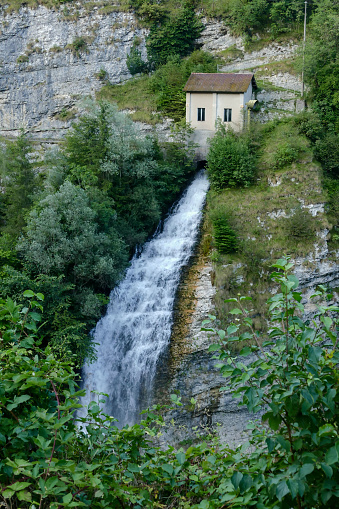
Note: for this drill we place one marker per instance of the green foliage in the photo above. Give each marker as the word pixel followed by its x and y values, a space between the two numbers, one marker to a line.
pixel 285 155
pixel 292 377
pixel 102 75
pixel 20 183
pixel 63 237
pixel 64 327
pixel 300 225
pixel 105 192
pixel 284 145
pixel 135 63
pixel 327 152
pixel 168 81
pixel 321 63
pixel 78 46
pixel 224 236
pixel 105 151
pixel 175 36
pixel 292 460
pixel 325 141
pixel 229 160
pixel 22 59
pixel 332 206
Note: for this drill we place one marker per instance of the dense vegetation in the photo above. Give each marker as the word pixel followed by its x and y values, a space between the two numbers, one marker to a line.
pixel 70 223
pixel 46 462
pixel 230 162
pixel 68 231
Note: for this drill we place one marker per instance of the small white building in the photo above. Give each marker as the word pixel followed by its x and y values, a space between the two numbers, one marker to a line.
pixel 210 96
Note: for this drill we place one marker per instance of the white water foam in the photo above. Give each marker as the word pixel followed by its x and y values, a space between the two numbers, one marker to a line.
pixel 137 327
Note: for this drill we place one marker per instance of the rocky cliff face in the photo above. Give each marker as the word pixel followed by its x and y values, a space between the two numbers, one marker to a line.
pixel 52 58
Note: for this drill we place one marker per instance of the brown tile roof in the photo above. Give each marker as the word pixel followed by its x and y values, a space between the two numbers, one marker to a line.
pixel 219 82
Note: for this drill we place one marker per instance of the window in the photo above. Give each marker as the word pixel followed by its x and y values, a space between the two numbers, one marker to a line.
pixel 227 115
pixel 201 114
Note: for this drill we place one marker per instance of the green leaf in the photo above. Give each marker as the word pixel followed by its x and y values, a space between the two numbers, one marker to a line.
pixel 282 490
pixel 211 459
pixel 274 421
pixel 204 504
pixel 314 354
pixel 245 351
pixel 331 456
pixel 327 469
pixel 294 280
pixel 232 329
pixel 285 444
pixel 270 444
pixel 17 400
pixel 213 348
pixel 67 498
pixel 7 493
pixel 305 470
pixel 24 495
pixel 28 293
pixel 221 334
pixel 326 495
pixel 236 311
pixel 236 479
pixel 168 468
pixel 245 483
pixel 293 487
pixel 326 429
pixel 132 467
pixel 181 457
pixel 18 486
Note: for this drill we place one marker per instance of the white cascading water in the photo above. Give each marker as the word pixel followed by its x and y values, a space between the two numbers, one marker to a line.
pixel 137 327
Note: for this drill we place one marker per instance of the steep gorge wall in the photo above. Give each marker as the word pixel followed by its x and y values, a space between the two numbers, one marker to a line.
pixel 41 72
pixel 43 75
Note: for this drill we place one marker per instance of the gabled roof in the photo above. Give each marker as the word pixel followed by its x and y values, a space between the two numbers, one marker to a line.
pixel 219 82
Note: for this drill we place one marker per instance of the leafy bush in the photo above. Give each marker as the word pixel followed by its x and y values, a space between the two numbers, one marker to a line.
pixel 284 143
pixel 22 59
pixel 174 36
pixel 78 46
pixel 327 152
pixel 230 162
pixel 20 182
pixel 102 75
pixel 285 155
pixel 135 63
pixel 292 379
pixel 300 225
pixel 63 236
pixel 225 238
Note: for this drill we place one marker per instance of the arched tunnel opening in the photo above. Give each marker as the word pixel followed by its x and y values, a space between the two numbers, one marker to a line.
pixel 201 165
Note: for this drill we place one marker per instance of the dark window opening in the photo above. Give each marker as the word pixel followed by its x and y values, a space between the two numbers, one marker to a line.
pixel 227 115
pixel 201 114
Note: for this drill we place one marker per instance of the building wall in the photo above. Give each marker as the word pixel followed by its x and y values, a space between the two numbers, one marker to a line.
pixel 236 103
pixel 214 104
pixel 200 100
pixel 248 94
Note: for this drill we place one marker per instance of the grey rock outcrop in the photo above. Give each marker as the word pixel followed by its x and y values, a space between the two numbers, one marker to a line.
pixel 49 61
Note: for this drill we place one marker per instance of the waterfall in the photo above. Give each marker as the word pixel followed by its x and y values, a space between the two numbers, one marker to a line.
pixel 137 326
